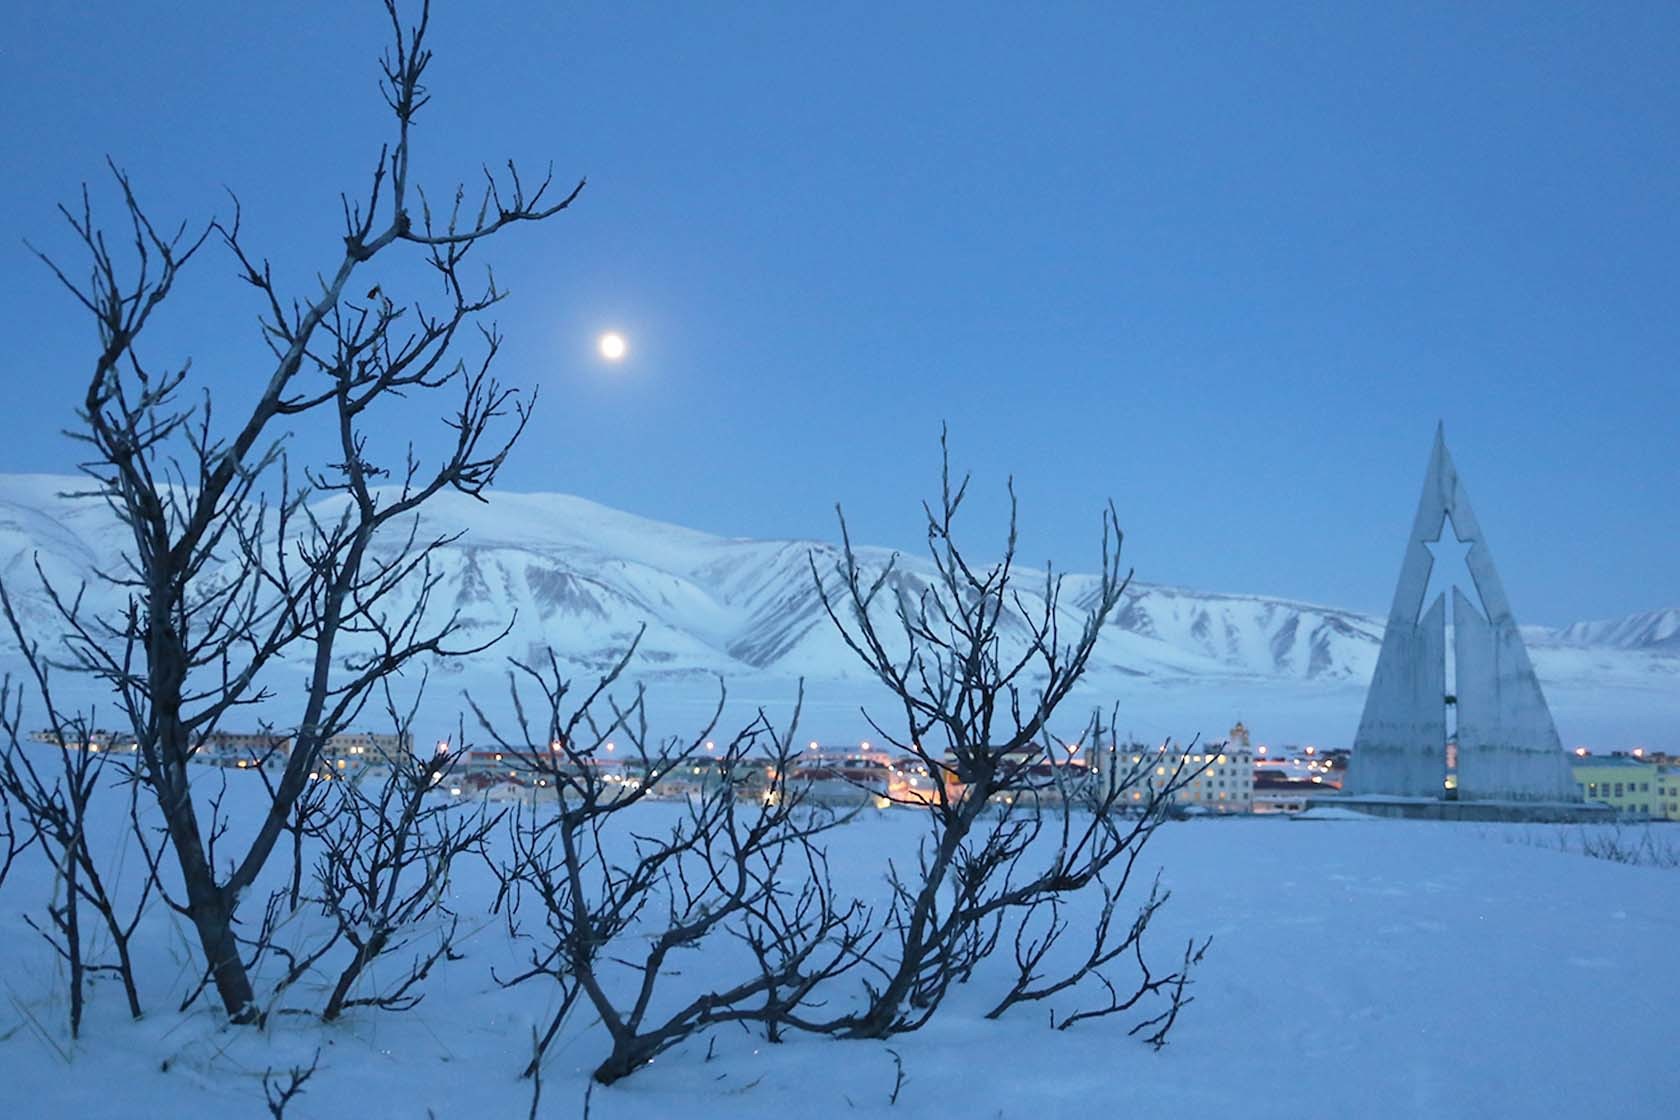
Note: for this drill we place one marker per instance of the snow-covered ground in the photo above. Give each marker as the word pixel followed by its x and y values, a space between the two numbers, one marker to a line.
pixel 1358 968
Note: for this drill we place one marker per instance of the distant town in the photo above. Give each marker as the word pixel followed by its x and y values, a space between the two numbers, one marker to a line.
pixel 1237 775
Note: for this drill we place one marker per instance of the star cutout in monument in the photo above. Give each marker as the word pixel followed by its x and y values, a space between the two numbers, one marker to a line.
pixel 1448 568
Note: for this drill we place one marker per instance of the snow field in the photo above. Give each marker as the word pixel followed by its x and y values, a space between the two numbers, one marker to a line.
pixel 1359 968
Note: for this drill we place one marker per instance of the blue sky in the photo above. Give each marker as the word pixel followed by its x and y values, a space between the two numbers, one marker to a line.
pixel 1226 264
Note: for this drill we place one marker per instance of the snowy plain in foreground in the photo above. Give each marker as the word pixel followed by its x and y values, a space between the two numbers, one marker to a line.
pixel 1358 968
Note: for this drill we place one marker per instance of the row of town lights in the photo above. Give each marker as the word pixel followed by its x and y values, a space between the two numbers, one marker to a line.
pixel 1072 748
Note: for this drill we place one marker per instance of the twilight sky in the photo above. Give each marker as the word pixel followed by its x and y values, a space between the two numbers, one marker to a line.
pixel 1225 263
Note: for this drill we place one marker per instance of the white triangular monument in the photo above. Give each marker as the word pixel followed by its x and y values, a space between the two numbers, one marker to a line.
pixel 1508 746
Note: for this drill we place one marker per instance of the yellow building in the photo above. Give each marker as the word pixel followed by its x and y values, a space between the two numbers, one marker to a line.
pixel 1629 785
pixel 1668 791
pixel 1224 781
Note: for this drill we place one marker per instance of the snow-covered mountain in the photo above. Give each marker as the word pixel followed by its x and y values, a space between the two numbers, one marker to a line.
pixel 1650 630
pixel 583 579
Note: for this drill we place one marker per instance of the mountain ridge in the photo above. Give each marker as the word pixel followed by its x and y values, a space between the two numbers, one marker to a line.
pixel 582 577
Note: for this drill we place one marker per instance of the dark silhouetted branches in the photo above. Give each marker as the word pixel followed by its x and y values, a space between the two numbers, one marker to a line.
pixel 236 561
pixel 977 667
pixel 740 864
pixel 384 870
pixel 48 806
pixel 279 1097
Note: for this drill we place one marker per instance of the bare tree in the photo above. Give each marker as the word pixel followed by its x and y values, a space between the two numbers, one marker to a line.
pixel 741 863
pixel 977 670
pixel 230 568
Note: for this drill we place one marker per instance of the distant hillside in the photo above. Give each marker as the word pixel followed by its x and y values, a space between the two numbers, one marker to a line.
pixel 1651 630
pixel 583 578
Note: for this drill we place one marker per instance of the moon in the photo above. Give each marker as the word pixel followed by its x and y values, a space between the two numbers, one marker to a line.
pixel 612 346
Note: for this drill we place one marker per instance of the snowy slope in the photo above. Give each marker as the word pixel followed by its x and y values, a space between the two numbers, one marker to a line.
pixel 1651 630
pixel 583 579
pixel 1250 634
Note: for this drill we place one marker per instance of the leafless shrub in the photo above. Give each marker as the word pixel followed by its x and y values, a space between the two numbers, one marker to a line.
pixel 384 870
pixel 977 670
pixel 1638 846
pixel 90 898
pixel 386 842
pixel 230 568
pixel 1644 848
pixel 741 864
pixel 278 1096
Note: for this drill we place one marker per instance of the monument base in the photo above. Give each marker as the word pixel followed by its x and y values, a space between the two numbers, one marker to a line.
pixel 1438 809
